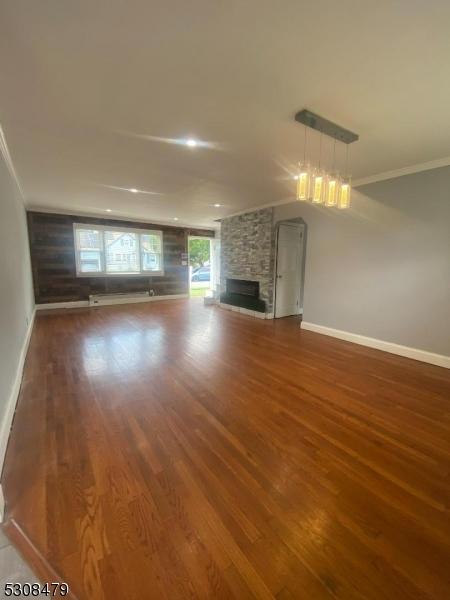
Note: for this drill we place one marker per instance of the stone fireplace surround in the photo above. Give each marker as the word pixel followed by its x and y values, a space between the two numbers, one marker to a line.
pixel 247 243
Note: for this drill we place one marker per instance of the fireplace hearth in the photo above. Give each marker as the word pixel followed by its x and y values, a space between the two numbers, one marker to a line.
pixel 243 293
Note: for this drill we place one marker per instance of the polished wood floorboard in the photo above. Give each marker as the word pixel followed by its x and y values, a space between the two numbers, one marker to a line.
pixel 42 569
pixel 172 451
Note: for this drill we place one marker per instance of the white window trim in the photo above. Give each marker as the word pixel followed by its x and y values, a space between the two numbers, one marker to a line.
pixel 102 229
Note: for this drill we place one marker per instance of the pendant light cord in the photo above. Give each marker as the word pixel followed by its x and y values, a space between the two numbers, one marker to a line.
pixel 320 149
pixel 304 147
pixel 334 155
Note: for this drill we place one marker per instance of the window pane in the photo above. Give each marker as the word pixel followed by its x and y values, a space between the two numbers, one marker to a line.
pixel 90 261
pixel 88 238
pixel 151 252
pixel 151 262
pixel 121 250
pixel 151 242
pixel 89 250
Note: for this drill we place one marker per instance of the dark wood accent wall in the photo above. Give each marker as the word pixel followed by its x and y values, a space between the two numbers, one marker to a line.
pixel 53 260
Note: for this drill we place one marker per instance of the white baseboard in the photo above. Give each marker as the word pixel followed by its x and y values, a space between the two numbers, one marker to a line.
pixel 111 301
pixel 429 357
pixel 11 402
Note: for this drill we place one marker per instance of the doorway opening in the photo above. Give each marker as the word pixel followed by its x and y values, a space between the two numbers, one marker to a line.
pixel 289 269
pixel 201 266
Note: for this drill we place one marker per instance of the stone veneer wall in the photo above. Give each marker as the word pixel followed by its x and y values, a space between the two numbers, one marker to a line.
pixel 247 251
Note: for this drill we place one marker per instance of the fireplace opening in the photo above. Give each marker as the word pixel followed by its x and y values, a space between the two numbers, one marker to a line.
pixel 243 293
pixel 242 286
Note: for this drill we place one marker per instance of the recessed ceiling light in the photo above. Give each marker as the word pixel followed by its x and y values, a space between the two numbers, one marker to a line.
pixel 134 190
pixel 217 205
pixel 108 210
pixel 175 218
pixel 295 177
pixel 191 143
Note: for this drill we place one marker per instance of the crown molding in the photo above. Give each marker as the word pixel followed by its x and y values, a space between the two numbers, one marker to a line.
pixel 250 209
pixel 4 150
pixel 418 168
pixel 116 216
pixel 426 166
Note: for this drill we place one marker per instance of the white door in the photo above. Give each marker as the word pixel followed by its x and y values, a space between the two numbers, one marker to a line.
pixel 289 269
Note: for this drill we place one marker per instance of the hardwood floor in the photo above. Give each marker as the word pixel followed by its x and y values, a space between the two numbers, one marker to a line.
pixel 171 450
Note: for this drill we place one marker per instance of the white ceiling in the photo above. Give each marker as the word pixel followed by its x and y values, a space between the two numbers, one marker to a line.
pixel 86 87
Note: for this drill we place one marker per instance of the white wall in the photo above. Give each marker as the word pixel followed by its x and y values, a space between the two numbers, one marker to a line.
pixel 382 269
pixel 16 297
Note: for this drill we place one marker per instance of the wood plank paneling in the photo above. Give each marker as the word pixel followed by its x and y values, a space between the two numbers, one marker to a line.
pixel 53 260
pixel 171 450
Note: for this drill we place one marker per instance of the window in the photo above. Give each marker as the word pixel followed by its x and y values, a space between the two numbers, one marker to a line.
pixel 89 250
pixel 151 250
pixel 128 260
pixel 112 251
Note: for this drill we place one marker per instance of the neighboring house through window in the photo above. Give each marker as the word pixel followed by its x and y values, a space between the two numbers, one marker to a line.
pixel 105 251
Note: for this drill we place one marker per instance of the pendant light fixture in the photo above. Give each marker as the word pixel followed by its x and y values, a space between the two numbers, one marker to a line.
pixel 318 187
pixel 333 183
pixel 344 196
pixel 333 188
pixel 316 184
pixel 319 179
pixel 304 175
pixel 345 189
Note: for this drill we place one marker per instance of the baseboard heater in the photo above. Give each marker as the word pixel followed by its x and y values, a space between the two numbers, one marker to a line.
pixel 119 298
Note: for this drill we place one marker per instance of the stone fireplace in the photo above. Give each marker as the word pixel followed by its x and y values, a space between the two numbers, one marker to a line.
pixel 247 243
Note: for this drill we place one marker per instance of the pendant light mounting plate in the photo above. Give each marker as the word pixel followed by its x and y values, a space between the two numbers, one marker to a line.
pixel 318 123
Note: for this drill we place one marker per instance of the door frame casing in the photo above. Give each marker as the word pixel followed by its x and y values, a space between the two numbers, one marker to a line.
pixel 292 223
pixel 201 237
